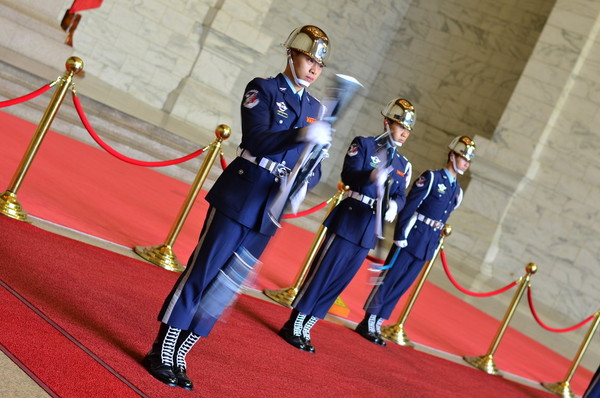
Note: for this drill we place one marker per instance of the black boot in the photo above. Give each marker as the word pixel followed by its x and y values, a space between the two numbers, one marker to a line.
pixel 310 322
pixel 159 360
pixel 185 342
pixel 378 323
pixel 368 329
pixel 292 330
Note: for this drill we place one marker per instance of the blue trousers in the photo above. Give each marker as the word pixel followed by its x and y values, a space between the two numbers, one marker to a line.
pixel 395 281
pixel 334 266
pixel 221 236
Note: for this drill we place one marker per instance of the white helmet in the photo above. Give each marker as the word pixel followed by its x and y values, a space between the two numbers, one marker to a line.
pixel 402 111
pixel 463 146
pixel 309 40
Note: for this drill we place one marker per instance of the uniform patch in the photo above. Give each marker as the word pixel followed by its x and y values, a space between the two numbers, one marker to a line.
pixel 442 188
pixel 281 108
pixel 353 150
pixel 375 161
pixel 310 119
pixel 400 173
pixel 420 182
pixel 251 99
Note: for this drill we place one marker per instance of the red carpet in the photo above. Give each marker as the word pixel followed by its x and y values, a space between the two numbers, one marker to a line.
pixel 105 305
pixel 86 189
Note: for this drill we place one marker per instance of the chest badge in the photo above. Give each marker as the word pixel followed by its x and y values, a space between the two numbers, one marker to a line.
pixel 442 188
pixel 375 161
pixel 281 108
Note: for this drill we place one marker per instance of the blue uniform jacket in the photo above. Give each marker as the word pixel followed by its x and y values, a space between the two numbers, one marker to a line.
pixel 352 219
pixel 271 113
pixel 433 196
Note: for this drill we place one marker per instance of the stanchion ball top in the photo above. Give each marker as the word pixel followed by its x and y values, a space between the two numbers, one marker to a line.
pixel 74 64
pixel 531 268
pixel 343 187
pixel 223 131
pixel 447 230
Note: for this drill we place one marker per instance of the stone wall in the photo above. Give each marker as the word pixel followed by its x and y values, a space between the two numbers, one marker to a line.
pixel 459 62
pixel 32 27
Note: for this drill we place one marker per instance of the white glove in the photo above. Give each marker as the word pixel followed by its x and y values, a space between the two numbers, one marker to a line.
pixel 380 175
pixel 318 133
pixel 391 212
pixel 401 243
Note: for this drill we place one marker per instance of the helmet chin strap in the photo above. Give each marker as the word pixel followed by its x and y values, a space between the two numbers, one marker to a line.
pixel 389 134
pixel 456 170
pixel 299 82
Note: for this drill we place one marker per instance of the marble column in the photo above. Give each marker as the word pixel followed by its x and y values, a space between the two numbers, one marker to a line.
pixel 532 195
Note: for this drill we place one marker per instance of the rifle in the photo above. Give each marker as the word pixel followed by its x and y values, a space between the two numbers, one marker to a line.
pixel 336 101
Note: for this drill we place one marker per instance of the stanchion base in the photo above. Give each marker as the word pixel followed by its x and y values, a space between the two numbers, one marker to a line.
pixel 161 255
pixel 395 333
pixel 561 388
pixel 485 363
pixel 284 297
pixel 10 206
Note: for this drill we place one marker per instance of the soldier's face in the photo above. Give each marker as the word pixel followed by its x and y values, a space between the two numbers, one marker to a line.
pixel 462 163
pixel 399 133
pixel 306 68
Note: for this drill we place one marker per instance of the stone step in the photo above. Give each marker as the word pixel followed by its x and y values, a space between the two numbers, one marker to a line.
pixel 129 135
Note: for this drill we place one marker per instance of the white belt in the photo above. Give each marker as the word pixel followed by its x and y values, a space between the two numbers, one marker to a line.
pixel 363 198
pixel 277 169
pixel 437 225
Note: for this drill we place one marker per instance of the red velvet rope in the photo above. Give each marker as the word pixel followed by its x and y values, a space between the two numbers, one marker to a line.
pixel 307 212
pixel 26 97
pixel 375 259
pixel 542 324
pixel 465 291
pixel 124 158
pixel 223 161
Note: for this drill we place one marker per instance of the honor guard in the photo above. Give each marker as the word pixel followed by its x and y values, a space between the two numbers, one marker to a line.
pixel 431 200
pixel 279 117
pixel 369 164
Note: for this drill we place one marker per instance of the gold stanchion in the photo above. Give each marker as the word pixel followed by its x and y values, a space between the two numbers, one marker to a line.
pixel 563 388
pixel 396 332
pixel 287 295
pixel 486 362
pixel 163 255
pixel 9 204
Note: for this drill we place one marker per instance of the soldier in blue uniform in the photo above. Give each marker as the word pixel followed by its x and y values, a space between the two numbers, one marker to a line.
pixel 369 163
pixel 433 196
pixel 279 118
